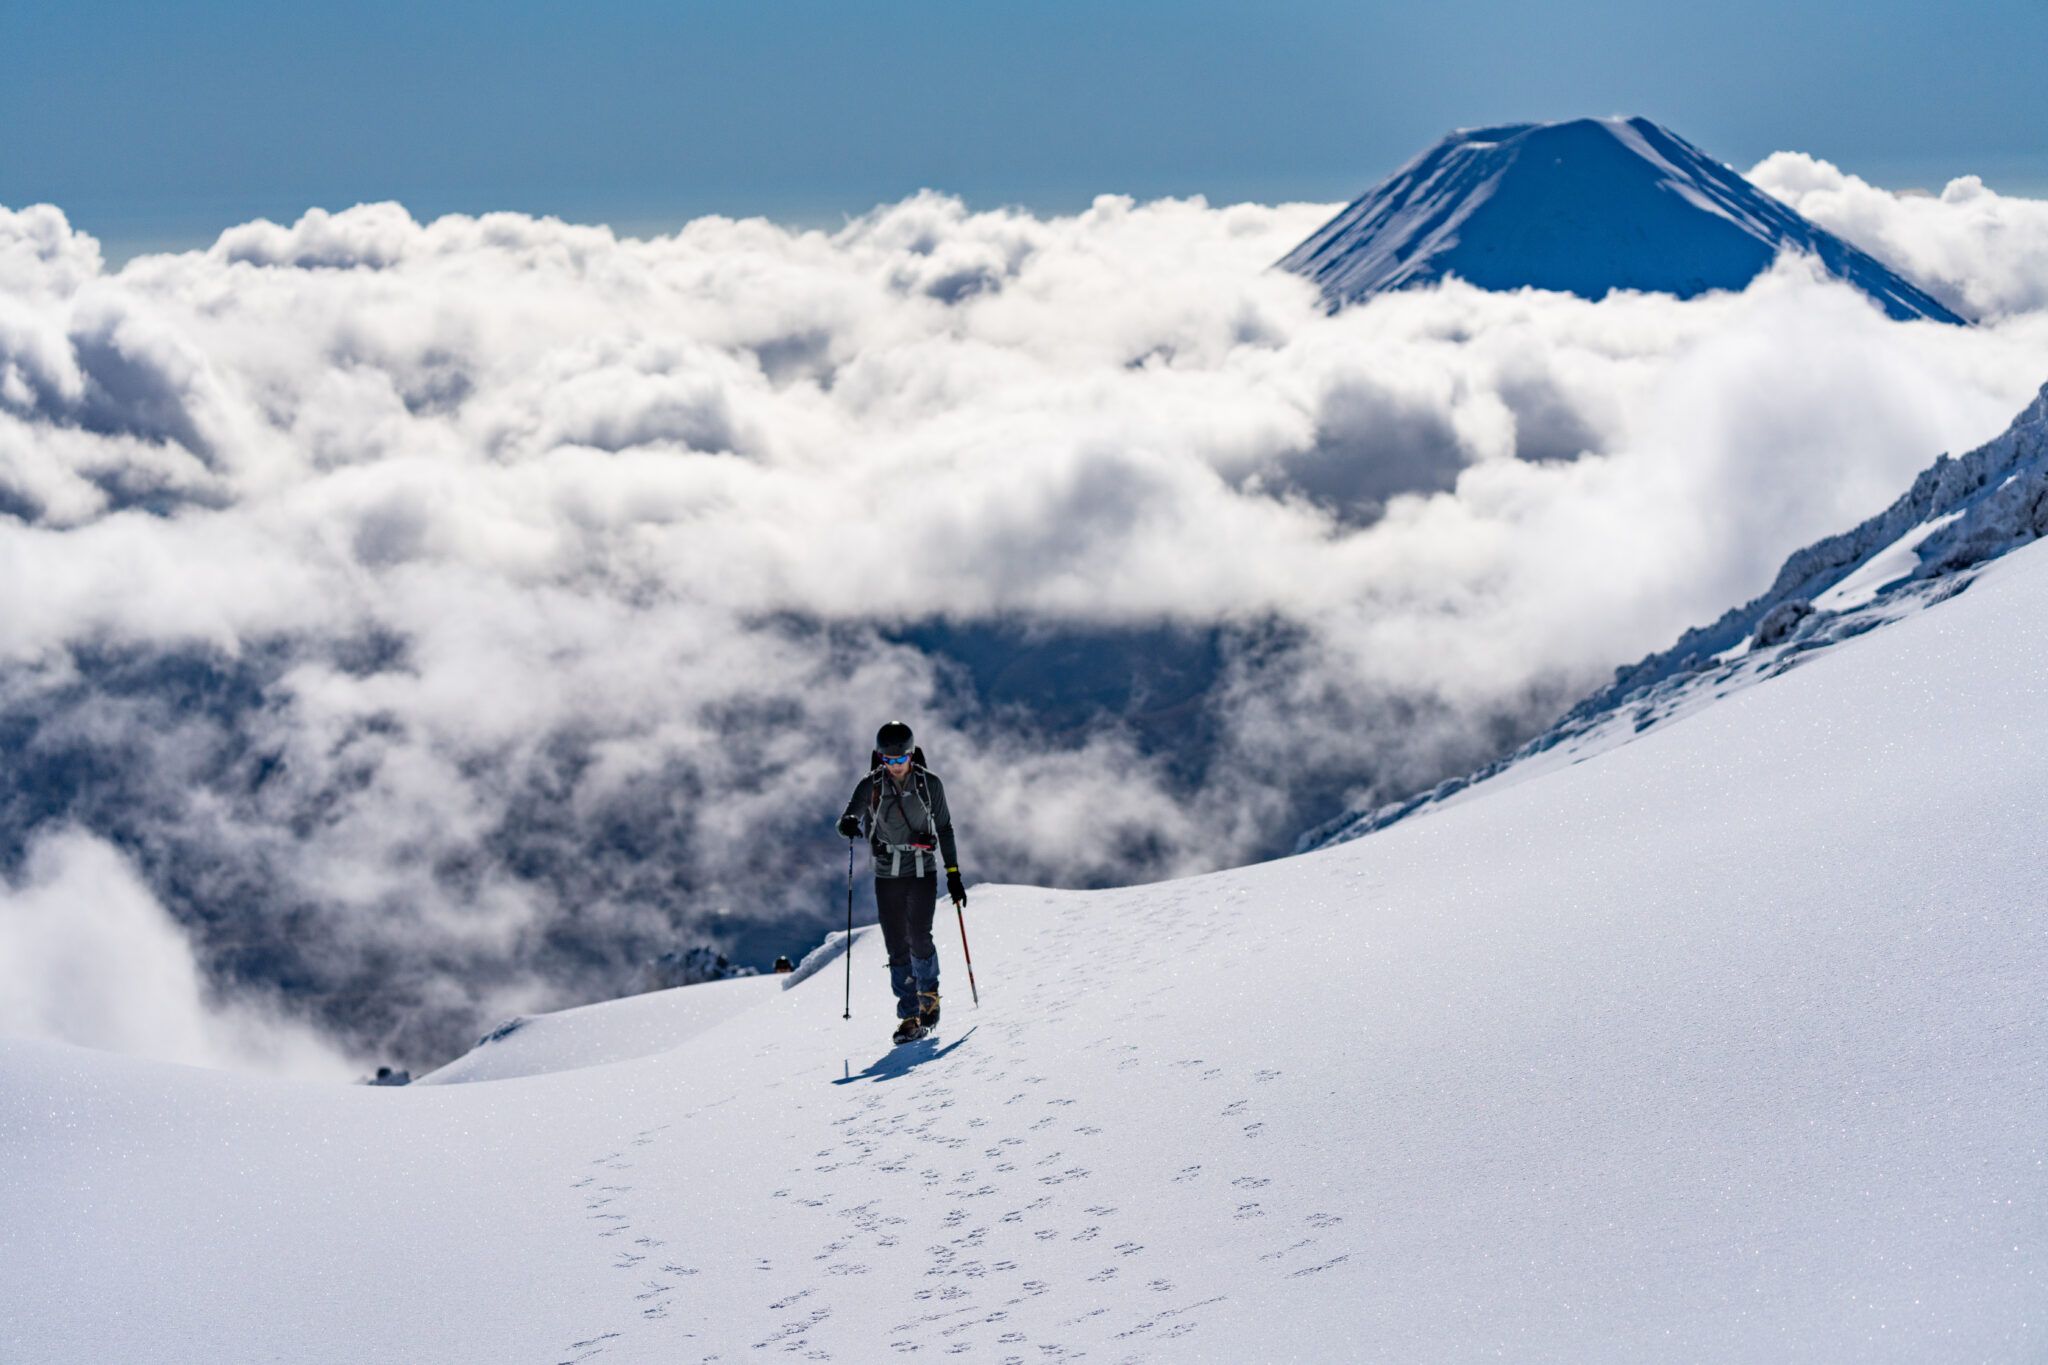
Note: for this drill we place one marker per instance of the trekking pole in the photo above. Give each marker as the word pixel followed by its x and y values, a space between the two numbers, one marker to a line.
pixel 848 1012
pixel 957 910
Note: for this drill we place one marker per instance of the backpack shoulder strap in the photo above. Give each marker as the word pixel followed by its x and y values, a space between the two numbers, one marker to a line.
pixel 924 794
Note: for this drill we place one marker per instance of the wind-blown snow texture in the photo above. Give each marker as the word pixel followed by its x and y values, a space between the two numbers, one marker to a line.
pixel 1585 207
pixel 1723 1045
pixel 1920 550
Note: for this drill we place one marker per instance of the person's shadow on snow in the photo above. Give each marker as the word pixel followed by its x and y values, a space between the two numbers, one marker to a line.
pixel 899 1060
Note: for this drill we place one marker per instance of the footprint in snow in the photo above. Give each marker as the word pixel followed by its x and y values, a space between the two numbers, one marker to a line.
pixel 589 1347
pixel 1330 1264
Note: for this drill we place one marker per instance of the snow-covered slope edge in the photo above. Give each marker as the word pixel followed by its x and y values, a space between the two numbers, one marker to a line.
pixel 1724 1045
pixel 1959 514
pixel 620 1030
pixel 593 1035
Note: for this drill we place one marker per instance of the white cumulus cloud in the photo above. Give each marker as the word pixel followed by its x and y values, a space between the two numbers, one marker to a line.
pixel 1979 251
pixel 472 605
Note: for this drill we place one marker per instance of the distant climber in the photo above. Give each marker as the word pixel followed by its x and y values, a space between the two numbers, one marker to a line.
pixel 901 807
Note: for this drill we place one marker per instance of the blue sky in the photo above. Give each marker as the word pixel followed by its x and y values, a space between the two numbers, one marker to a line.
pixel 159 125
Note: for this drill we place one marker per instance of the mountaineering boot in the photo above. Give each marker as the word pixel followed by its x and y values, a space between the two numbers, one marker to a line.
pixel 909 1030
pixel 928 1008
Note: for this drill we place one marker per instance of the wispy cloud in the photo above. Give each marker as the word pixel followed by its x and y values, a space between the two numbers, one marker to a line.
pixel 93 959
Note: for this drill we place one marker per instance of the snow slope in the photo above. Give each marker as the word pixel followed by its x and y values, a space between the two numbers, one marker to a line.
pixel 1584 206
pixel 1725 1044
pixel 1960 513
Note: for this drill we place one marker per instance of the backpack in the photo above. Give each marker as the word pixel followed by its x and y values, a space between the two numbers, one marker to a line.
pixel 878 776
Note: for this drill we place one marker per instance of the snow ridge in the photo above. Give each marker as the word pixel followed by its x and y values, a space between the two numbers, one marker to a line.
pixel 1959 513
pixel 1585 207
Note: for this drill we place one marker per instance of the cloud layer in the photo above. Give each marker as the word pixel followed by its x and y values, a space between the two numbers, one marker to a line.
pixel 1981 252
pixel 442 617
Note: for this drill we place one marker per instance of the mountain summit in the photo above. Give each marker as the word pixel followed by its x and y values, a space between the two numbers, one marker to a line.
pixel 1583 207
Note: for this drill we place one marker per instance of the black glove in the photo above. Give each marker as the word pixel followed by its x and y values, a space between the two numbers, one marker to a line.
pixel 849 827
pixel 956 888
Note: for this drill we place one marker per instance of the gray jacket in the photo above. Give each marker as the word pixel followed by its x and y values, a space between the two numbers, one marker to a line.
pixel 909 828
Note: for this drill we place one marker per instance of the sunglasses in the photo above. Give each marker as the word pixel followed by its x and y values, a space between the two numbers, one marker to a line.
pixel 896 760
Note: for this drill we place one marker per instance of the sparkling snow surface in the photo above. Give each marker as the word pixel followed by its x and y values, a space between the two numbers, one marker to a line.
pixel 1726 1044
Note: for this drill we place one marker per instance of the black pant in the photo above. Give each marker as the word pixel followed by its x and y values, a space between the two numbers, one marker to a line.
pixel 905 906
